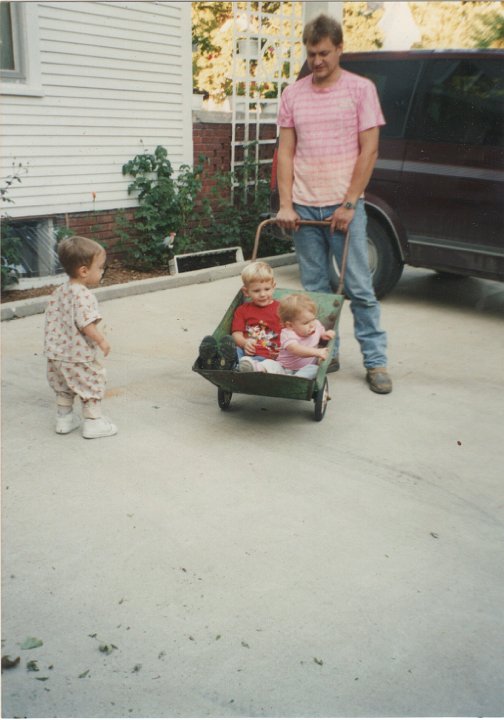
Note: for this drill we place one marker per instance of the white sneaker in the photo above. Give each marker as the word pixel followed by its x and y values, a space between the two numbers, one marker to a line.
pixel 66 423
pixel 246 364
pixel 101 427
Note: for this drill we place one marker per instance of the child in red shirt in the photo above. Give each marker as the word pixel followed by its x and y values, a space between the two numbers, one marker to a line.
pixel 255 330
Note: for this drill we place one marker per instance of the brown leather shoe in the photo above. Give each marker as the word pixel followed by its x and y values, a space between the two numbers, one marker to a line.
pixel 379 380
pixel 334 365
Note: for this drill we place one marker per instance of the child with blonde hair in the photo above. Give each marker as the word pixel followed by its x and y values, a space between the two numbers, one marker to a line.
pixel 300 337
pixel 71 340
pixel 255 328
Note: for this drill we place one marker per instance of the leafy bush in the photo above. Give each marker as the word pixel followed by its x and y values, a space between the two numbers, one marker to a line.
pixel 238 213
pixel 170 205
pixel 165 206
pixel 11 244
pixel 11 255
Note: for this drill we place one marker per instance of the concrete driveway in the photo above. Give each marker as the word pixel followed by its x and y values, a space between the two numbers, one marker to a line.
pixel 253 562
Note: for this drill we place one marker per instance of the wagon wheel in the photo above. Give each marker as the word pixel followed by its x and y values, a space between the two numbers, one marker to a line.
pixel 224 398
pixel 321 398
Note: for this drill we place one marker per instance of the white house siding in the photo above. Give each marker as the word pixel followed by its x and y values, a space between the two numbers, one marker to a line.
pixel 116 80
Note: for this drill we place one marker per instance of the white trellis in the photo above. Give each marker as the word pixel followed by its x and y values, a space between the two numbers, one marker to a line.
pixel 267 55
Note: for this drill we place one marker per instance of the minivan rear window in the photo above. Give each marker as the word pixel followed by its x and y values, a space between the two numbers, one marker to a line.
pixel 395 82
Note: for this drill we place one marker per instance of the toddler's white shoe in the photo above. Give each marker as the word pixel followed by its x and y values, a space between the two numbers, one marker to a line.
pixel 67 423
pixel 101 427
pixel 246 364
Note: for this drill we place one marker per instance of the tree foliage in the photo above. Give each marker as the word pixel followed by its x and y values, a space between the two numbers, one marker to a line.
pixel 468 25
pixel 360 27
pixel 443 24
pixel 212 37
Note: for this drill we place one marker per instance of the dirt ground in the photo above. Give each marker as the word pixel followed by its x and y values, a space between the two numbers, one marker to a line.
pixel 116 273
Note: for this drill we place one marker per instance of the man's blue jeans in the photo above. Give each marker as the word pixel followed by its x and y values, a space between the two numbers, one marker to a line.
pixel 315 247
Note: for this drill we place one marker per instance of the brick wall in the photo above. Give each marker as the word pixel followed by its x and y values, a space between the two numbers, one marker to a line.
pixel 213 141
pixel 101 226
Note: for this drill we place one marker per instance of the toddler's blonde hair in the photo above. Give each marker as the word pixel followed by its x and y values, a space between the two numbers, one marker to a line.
pixel 76 251
pixel 292 305
pixel 256 272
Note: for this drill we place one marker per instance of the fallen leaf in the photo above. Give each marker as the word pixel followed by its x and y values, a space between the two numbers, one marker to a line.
pixel 8 663
pixel 107 649
pixel 434 535
pixel 31 643
pixel 319 662
pixel 244 644
pixel 32 666
pixel 42 679
pixel 137 668
pixel 84 674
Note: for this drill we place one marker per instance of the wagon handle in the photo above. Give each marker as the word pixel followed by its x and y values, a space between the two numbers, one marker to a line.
pixel 325 223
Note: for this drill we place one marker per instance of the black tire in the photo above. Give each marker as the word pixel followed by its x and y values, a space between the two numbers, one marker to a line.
pixel 384 260
pixel 224 398
pixel 321 399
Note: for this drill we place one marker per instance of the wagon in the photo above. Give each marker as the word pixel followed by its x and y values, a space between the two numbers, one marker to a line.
pixel 229 382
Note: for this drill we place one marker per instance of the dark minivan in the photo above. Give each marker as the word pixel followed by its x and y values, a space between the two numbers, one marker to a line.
pixel 435 199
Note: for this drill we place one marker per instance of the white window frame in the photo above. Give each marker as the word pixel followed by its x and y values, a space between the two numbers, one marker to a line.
pixel 26 79
pixel 17 72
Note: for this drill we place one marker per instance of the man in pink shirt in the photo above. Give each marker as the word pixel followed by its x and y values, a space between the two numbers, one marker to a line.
pixel 329 130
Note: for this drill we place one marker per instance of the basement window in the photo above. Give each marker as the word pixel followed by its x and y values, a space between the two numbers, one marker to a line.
pixel 38 247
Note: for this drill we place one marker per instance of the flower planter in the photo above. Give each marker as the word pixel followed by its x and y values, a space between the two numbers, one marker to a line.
pixel 205 259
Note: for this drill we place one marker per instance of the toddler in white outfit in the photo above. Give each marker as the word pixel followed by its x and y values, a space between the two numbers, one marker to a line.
pixel 72 338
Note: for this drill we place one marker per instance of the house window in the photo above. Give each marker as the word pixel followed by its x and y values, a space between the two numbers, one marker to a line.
pixel 19 49
pixel 10 51
pixel 37 241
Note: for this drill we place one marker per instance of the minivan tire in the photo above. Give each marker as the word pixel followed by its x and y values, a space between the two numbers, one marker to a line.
pixel 384 259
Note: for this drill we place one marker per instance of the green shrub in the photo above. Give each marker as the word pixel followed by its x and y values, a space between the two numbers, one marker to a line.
pixel 169 205
pixel 11 244
pixel 165 206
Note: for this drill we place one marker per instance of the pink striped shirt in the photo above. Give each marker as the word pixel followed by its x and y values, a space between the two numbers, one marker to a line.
pixel 327 122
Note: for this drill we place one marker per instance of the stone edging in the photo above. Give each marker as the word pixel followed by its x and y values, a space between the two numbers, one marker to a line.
pixel 37 305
